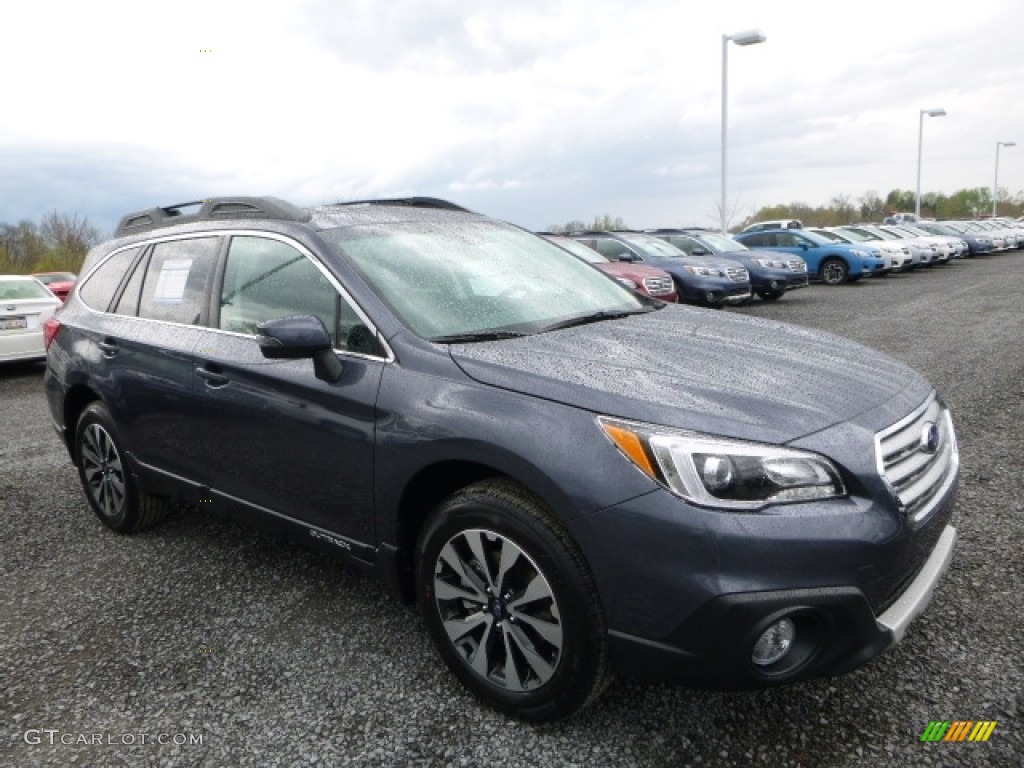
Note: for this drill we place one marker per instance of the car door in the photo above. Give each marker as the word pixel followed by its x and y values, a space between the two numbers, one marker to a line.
pixel 277 439
pixel 150 305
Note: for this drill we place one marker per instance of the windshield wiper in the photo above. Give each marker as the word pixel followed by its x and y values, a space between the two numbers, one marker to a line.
pixel 596 317
pixel 464 338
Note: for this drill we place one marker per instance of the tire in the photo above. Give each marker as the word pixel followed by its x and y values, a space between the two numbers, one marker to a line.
pixel 481 552
pixel 834 271
pixel 769 295
pixel 108 484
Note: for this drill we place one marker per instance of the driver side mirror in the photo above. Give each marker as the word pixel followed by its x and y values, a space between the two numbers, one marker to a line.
pixel 299 337
pixel 626 256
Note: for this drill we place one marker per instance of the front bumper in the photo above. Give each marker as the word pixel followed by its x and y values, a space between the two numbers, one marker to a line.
pixel 836 632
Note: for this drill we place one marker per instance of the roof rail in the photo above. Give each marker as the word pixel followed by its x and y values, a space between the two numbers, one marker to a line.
pixel 411 202
pixel 211 209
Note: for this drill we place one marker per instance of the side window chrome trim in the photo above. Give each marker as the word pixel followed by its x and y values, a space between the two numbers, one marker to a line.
pixel 388 357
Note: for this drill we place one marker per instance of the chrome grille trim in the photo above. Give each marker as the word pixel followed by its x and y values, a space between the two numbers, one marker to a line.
pixel 737 275
pixel 916 476
pixel 658 286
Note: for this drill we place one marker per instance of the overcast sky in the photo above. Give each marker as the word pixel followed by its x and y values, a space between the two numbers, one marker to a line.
pixel 534 112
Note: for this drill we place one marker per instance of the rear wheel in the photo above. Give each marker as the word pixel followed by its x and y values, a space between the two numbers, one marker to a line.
pixel 510 603
pixel 834 271
pixel 108 485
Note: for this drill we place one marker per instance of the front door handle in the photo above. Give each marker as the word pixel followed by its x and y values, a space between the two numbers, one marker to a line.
pixel 213 379
pixel 109 347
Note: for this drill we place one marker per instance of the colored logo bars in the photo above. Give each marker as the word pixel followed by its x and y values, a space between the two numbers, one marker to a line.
pixel 958 730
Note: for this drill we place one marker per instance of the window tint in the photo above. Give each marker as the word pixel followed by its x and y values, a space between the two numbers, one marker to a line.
pixel 176 280
pixel 99 287
pixel 612 249
pixel 128 303
pixel 687 245
pixel 756 241
pixel 268 279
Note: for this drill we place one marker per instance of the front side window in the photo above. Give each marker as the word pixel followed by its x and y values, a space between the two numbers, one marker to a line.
pixel 175 286
pixel 612 249
pixel 267 279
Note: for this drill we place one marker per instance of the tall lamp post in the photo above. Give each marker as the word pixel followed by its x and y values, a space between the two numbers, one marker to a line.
pixel 995 184
pixel 750 37
pixel 940 112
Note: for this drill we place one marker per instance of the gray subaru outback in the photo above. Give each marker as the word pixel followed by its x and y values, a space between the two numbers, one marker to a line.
pixel 568 479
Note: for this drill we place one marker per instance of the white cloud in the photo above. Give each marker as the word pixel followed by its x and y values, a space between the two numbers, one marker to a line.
pixel 539 112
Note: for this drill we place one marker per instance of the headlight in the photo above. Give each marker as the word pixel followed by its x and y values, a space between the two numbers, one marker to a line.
pixel 721 472
pixel 627 282
pixel 705 271
pixel 776 263
pixel 859 253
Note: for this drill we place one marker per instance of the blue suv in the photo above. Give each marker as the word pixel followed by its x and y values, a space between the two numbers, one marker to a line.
pixel 569 479
pixel 771 275
pixel 709 282
pixel 830 262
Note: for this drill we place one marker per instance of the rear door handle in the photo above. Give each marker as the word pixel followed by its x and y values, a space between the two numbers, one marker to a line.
pixel 213 379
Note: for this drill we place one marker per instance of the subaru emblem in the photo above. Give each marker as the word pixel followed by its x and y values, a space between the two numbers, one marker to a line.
pixel 930 437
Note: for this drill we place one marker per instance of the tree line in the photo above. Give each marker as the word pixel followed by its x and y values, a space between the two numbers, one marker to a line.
pixel 59 243
pixel 842 209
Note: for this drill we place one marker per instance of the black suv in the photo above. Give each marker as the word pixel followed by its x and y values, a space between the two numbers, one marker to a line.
pixel 567 477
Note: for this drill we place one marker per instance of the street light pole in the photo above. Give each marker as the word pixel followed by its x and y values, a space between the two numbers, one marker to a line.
pixel 995 184
pixel 940 112
pixel 751 37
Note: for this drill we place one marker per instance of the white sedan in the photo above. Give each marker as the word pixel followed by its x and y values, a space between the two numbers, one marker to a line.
pixel 25 305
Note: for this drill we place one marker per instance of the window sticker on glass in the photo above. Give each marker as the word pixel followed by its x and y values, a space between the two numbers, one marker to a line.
pixel 170 286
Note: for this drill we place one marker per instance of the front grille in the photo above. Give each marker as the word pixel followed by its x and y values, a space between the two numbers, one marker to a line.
pixel 797 265
pixel 738 275
pixel 658 286
pixel 918 458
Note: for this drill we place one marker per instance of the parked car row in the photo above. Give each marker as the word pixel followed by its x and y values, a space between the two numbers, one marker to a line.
pixel 847 253
pixel 702 267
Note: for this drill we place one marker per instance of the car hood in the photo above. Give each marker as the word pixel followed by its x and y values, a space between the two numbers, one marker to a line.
pixel 704 370
pixel 632 271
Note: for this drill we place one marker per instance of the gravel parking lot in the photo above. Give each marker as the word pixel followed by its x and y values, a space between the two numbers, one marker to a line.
pixel 201 643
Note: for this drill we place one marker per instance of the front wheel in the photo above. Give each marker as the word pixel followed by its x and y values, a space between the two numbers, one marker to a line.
pixel 510 603
pixel 834 271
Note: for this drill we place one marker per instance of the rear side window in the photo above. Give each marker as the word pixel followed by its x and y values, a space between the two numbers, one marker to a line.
pixel 99 288
pixel 177 278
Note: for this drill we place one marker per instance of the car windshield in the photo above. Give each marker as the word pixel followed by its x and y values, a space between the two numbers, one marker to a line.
pixel 473 280
pixel 578 249
pixel 860 236
pixel 829 235
pixel 11 290
pixel 937 229
pixel 721 243
pixel 653 246
pixel 55 277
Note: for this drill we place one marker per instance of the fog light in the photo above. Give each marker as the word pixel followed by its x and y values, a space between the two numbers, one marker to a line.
pixel 774 643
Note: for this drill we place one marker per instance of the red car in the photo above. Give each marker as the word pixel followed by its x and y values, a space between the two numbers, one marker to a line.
pixel 59 283
pixel 649 281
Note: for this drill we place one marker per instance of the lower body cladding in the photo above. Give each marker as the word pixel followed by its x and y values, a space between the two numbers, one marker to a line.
pixel 728 602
